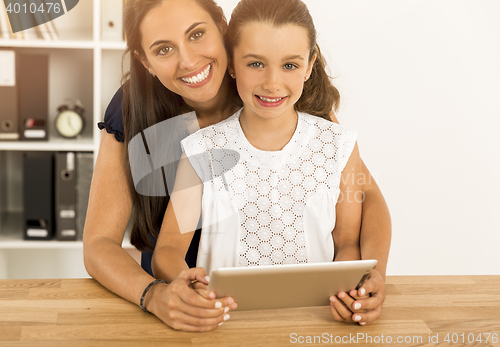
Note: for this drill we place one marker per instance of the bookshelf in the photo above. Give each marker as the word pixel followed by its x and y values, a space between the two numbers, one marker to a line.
pixel 80 65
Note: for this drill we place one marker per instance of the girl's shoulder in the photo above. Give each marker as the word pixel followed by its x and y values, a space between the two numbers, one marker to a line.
pixel 320 125
pixel 215 135
pixel 223 127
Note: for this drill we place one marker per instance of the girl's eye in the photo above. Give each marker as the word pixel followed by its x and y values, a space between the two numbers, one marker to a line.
pixel 290 66
pixel 164 50
pixel 197 35
pixel 256 65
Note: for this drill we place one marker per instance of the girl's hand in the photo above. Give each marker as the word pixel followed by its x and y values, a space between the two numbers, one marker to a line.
pixel 183 308
pixel 201 288
pixel 361 306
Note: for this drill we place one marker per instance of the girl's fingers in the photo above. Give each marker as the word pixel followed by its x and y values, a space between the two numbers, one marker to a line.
pixel 192 298
pixel 368 304
pixel 335 313
pixel 205 293
pixel 367 317
pixel 341 309
pixel 356 295
pixel 347 300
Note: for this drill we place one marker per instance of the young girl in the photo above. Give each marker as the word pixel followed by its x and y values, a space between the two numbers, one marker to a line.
pixel 275 181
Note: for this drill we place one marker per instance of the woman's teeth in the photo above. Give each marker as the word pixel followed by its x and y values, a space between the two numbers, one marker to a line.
pixel 199 77
pixel 269 100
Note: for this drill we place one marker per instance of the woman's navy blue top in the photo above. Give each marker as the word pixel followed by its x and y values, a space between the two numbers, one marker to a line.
pixel 113 123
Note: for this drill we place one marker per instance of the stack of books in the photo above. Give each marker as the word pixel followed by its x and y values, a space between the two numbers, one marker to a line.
pixel 28 20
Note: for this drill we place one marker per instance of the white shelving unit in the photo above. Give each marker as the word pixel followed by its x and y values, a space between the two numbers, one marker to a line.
pixel 83 66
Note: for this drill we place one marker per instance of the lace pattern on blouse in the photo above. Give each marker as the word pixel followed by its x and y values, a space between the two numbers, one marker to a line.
pixel 270 189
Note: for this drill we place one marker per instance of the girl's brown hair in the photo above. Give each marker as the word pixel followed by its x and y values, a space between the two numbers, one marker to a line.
pixel 319 96
pixel 147 102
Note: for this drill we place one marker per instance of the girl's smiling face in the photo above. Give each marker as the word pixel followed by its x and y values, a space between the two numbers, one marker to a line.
pixel 270 66
pixel 184 48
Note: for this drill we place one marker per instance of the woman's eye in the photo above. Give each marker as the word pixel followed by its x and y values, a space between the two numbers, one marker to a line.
pixel 256 65
pixel 164 50
pixel 290 66
pixel 197 35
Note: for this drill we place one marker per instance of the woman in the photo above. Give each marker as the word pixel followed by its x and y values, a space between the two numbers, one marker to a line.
pixel 178 64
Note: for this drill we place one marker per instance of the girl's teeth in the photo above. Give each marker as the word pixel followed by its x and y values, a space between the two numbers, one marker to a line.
pixel 269 100
pixel 199 77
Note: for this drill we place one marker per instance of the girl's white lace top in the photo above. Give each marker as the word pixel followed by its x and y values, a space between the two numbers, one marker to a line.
pixel 266 208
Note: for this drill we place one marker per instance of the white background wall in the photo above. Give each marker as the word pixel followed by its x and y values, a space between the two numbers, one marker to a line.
pixel 420 81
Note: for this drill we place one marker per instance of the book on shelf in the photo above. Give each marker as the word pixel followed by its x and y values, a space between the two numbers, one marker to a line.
pixel 48 28
pixel 38 24
pixel 5 32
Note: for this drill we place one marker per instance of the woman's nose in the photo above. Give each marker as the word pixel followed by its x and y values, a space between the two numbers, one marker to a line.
pixel 188 58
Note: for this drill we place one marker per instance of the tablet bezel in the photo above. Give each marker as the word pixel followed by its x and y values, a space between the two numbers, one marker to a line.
pixel 295 285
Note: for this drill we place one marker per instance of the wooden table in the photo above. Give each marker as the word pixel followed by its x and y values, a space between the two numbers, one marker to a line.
pixel 81 312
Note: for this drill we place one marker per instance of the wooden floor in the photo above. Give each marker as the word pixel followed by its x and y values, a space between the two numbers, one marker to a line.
pixel 419 311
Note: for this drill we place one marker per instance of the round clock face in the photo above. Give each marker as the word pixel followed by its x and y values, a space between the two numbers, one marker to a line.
pixel 69 124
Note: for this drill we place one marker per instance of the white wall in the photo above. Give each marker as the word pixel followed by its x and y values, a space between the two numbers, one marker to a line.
pixel 420 82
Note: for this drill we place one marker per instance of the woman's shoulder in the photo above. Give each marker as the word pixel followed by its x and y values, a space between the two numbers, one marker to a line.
pixel 113 119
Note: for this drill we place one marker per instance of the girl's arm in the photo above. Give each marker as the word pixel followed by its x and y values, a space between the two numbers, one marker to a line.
pixel 179 223
pixel 109 210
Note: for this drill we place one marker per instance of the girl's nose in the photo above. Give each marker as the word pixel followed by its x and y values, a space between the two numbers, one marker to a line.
pixel 272 82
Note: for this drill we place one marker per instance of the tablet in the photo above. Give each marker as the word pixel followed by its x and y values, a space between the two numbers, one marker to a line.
pixel 297 285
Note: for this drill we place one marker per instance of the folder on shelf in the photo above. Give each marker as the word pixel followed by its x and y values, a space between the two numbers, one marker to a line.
pixel 38 195
pixel 65 201
pixel 112 20
pixel 84 169
pixel 33 85
pixel 8 96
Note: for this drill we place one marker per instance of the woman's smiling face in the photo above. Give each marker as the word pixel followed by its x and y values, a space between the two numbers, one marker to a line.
pixel 184 48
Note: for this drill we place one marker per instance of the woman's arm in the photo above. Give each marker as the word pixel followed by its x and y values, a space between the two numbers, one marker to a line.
pixel 348 211
pixel 109 210
pixel 375 238
pixel 108 213
pixel 375 233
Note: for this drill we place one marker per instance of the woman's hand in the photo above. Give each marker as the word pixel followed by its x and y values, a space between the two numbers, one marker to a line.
pixel 361 306
pixel 181 307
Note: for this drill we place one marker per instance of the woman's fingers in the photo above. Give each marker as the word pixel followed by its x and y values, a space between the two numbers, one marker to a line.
pixel 182 313
pixel 374 284
pixel 184 308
